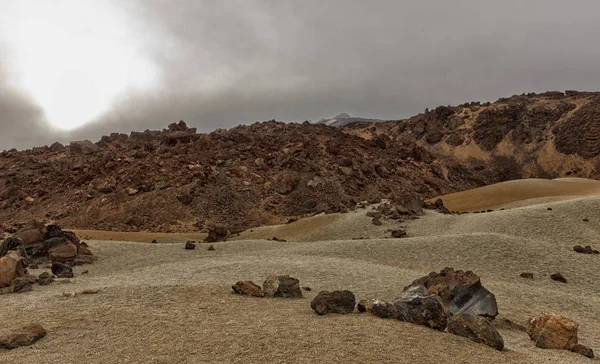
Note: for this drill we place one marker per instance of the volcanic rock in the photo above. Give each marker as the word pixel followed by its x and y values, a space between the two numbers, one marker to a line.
pixel 341 302
pixel 364 306
pixel 190 245
pixel 558 277
pixel 63 253
pixel 12 266
pixel 584 250
pixel 476 328
pixel 62 270
pixel 282 286
pixel 248 288
pixel 383 309
pixel 20 284
pixel 460 292
pixel 416 305
pixel 376 222
pixel 24 336
pixel 582 350
pixel 526 275
pixel 10 244
pixel 552 331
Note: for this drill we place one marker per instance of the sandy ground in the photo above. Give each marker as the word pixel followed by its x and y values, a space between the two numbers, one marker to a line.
pixel 159 303
pixel 519 191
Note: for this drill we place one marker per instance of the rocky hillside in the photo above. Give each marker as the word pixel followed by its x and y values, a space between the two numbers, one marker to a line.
pixel 179 180
pixel 548 135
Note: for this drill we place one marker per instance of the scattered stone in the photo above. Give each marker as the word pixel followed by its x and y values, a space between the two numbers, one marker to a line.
pixel 45 275
pixel 552 331
pixel 558 277
pixel 211 248
pixel 279 240
pixel 460 292
pixel 583 350
pixel 476 328
pixel 376 222
pixel 84 272
pixel 90 291
pixel 307 289
pixel 364 306
pixel 526 275
pixel 586 220
pixel 45 281
pixel 341 302
pixel 62 270
pixel 69 294
pixel 282 286
pixel 398 233
pixel 549 209
pixel 190 245
pixel 416 305
pixel 20 284
pixel 24 336
pixel 584 249
pixel 374 214
pixel 154 241
pixel 248 288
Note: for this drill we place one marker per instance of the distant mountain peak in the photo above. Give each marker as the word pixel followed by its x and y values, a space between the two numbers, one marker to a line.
pixel 343 115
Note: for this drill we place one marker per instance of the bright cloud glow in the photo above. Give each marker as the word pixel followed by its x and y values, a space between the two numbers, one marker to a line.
pixel 74 57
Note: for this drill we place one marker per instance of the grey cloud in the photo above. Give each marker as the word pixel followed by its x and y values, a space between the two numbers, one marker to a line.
pixel 231 62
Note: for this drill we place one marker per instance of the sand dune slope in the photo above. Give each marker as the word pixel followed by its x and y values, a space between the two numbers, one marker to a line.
pixel 522 192
pixel 162 304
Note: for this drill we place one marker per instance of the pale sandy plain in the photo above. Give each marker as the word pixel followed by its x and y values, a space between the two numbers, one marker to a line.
pixel 159 303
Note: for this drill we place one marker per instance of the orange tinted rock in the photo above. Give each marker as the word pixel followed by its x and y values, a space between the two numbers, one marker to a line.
pixel 22 337
pixel 12 266
pixel 552 331
pixel 63 253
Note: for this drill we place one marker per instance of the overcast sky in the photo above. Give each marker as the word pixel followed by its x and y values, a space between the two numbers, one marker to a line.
pixel 96 66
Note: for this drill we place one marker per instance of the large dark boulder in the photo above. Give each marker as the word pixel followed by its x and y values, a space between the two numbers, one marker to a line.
pixel 341 302
pixel 416 305
pixel 461 292
pixel 476 328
